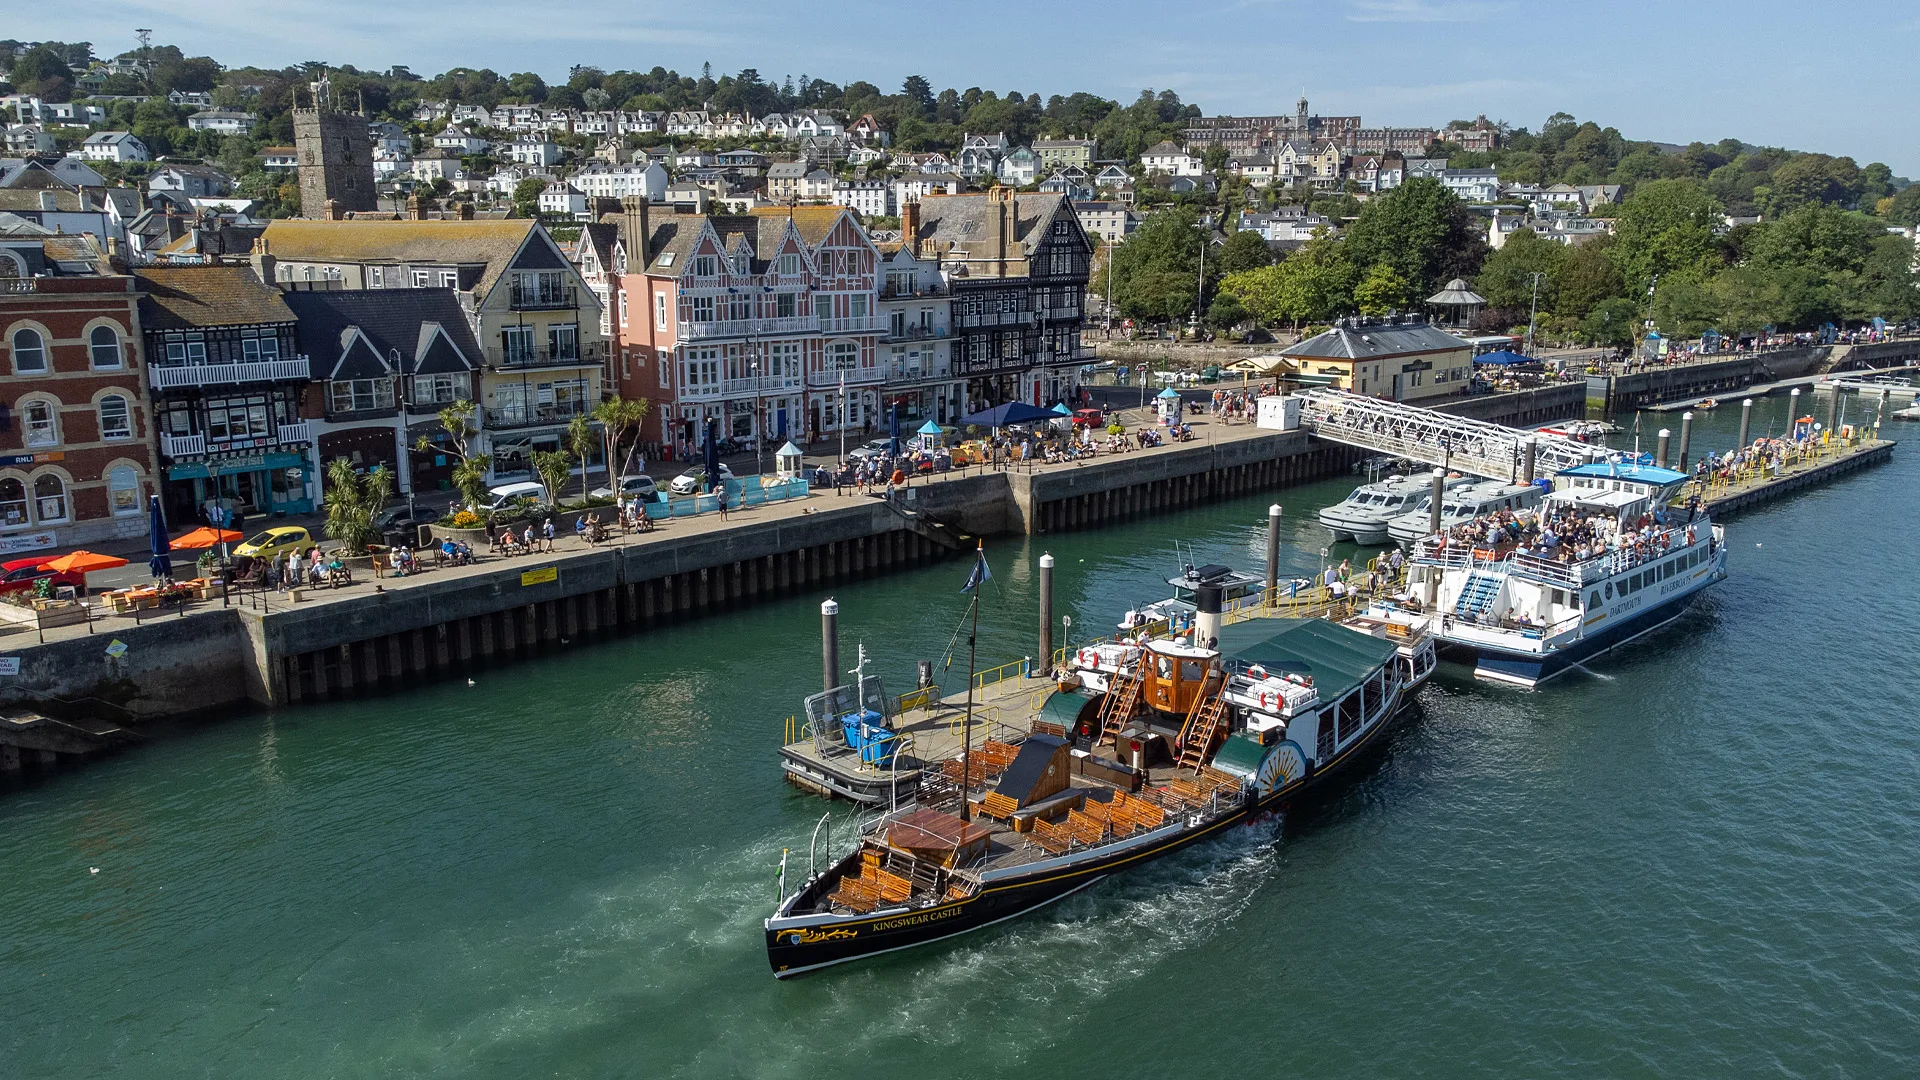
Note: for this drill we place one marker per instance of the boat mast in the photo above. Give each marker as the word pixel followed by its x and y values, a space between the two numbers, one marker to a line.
pixel 966 737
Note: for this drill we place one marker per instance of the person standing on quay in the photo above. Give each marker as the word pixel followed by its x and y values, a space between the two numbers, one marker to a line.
pixel 547 532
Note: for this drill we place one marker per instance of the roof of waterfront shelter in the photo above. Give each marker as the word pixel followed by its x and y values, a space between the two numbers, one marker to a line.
pixel 1337 658
pixel 1456 292
pixel 1369 340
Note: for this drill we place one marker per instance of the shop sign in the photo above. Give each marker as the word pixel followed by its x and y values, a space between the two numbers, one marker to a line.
pixel 26 542
pixel 32 459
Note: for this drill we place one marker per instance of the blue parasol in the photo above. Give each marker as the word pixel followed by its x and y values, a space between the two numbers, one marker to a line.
pixel 157 541
pixel 893 429
pixel 1013 412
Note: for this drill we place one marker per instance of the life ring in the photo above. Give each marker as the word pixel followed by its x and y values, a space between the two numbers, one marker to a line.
pixel 1087 658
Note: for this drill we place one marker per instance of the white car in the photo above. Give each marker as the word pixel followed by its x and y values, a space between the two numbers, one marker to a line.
pixel 694 481
pixel 641 486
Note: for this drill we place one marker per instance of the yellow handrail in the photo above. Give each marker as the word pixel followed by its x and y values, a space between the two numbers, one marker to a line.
pixel 914 699
pixel 994 675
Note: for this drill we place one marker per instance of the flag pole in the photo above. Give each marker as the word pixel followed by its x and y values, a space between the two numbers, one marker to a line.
pixel 966 738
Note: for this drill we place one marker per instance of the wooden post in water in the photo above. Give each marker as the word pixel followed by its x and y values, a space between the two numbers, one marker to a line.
pixel 1833 413
pixel 1043 667
pixel 1746 423
pixel 1528 463
pixel 1660 455
pixel 830 644
pixel 1273 550
pixel 1686 437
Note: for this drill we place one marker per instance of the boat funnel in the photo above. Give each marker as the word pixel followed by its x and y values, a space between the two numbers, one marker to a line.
pixel 1206 619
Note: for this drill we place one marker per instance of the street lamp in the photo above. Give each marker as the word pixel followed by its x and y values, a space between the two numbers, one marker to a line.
pixel 1533 309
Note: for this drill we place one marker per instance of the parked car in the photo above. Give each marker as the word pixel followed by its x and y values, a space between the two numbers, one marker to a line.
pixel 1092 418
pixel 401 524
pixel 21 574
pixel 499 498
pixel 641 486
pixel 871 448
pixel 694 481
pixel 288 538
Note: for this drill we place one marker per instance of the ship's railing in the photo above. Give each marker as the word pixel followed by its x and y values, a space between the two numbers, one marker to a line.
pixel 1010 670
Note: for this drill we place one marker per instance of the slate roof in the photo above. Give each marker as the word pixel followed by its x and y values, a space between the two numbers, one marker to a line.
pixel 449 242
pixel 65 200
pixel 1372 341
pixel 184 297
pixel 353 333
pixel 957 221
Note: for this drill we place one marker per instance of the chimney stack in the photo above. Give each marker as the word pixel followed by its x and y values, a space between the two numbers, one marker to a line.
pixel 638 229
pixel 910 227
pixel 262 261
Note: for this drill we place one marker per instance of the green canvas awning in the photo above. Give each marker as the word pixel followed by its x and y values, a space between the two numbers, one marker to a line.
pixel 1337 658
pixel 1239 755
pixel 1063 707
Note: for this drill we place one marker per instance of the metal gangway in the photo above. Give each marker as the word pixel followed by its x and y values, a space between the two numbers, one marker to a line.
pixel 1454 442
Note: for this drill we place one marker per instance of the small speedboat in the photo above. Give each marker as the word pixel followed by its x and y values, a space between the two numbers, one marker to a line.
pixel 1710 403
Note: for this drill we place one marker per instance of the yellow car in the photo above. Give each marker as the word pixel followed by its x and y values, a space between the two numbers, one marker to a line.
pixel 288 538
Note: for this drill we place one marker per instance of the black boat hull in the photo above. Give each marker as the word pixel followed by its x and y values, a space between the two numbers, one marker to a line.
pixel 796 950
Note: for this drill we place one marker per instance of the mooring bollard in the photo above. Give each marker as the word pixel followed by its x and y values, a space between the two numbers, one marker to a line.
pixel 1045 667
pixel 830 644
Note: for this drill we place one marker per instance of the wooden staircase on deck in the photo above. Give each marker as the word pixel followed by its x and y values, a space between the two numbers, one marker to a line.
pixel 1204 723
pixel 1122 701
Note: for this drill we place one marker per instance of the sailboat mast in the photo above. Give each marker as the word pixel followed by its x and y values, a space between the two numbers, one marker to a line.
pixel 966 736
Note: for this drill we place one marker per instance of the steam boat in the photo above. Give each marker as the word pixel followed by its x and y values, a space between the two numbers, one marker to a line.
pixel 1138 747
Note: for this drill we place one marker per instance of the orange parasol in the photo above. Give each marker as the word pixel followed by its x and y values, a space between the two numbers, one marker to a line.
pixel 206 536
pixel 84 562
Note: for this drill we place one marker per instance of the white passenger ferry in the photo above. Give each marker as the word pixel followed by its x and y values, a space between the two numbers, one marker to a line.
pixel 1607 559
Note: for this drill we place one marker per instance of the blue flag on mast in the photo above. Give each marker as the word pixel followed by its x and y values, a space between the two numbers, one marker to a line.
pixel 979 573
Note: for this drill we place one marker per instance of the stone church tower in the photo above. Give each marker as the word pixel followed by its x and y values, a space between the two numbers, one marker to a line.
pixel 334 155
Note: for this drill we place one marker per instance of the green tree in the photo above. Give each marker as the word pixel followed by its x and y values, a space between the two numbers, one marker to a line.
pixel 1156 271
pixel 1817 236
pixel 526 196
pixel 1904 207
pixel 1506 278
pixel 1244 250
pixel 1380 290
pixel 352 501
pixel 1420 229
pixel 1611 323
pixel 1226 312
pixel 618 416
pixel 1587 276
pixel 41 72
pixel 1666 227
pixel 552 466
pixel 470 471
pixel 581 439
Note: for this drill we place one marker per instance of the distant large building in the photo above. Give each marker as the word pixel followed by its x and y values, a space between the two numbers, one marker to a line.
pixel 335 162
pixel 1249 133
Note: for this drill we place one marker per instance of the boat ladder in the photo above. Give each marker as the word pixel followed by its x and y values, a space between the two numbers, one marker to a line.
pixel 1123 699
pixel 1476 598
pixel 1204 721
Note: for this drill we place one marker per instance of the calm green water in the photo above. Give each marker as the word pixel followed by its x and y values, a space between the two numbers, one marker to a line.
pixel 1698 861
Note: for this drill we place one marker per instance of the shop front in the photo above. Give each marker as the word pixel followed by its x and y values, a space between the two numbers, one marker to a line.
pixel 273 483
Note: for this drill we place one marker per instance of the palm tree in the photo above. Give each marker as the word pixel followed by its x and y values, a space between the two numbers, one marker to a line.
pixel 352 501
pixel 617 416
pixel 580 440
pixel 552 467
pixel 470 475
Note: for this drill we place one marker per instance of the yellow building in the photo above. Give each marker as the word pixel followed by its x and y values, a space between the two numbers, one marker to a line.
pixel 1402 358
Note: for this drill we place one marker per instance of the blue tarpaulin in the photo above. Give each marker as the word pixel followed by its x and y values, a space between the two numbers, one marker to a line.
pixel 1504 358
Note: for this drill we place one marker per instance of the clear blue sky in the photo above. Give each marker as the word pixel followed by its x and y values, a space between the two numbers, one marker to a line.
pixel 1813 76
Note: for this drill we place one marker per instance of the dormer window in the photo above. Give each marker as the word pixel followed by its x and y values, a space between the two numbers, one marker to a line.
pixel 789 265
pixel 705 266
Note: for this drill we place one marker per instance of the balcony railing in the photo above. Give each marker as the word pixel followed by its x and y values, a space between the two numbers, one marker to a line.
pixel 165 377
pixel 177 447
pixel 592 352
pixel 858 376
pixel 182 446
pixel 853 325
pixel 915 332
pixel 995 318
pixel 733 388
pixel 511 417
pixel 543 299
pixel 728 328
pixel 902 292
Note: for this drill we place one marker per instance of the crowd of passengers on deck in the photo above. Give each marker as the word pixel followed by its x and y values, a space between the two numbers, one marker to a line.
pixel 1569 535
